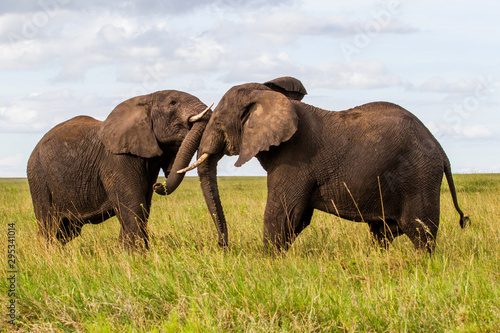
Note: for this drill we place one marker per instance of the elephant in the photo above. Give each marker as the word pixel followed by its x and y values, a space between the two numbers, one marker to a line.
pixel 85 170
pixel 376 163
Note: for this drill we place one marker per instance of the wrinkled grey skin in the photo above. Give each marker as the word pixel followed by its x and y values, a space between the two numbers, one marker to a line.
pixel 85 170
pixel 376 163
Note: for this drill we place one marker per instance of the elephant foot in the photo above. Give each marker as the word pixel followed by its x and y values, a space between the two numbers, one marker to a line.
pixel 160 189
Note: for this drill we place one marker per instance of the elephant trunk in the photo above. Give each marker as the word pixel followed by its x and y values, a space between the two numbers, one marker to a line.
pixel 210 151
pixel 207 173
pixel 211 143
pixel 185 154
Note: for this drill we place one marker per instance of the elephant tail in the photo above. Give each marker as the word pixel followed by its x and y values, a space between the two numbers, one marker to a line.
pixel 464 220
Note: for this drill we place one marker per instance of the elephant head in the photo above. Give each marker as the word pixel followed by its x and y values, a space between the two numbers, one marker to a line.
pixel 149 125
pixel 250 118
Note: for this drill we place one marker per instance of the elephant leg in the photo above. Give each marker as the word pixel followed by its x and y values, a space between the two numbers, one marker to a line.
pixel 47 215
pixel 422 233
pixel 420 222
pixel 52 225
pixel 286 215
pixel 68 229
pixel 384 232
pixel 304 221
pixel 133 231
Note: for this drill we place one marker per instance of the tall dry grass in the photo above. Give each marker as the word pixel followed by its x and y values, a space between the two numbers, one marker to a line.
pixel 332 279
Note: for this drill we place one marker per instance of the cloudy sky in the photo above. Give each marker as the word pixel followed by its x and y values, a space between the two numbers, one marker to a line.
pixel 438 59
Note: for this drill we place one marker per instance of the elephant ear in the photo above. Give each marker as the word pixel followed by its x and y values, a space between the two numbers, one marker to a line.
pixel 288 86
pixel 129 129
pixel 268 121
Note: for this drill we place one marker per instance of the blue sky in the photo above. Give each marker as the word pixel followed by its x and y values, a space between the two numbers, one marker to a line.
pixel 438 59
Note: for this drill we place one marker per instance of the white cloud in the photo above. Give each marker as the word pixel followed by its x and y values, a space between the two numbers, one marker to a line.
pixel 445 131
pixel 258 68
pixel 201 54
pixel 10 166
pixel 354 75
pixel 77 41
pixel 133 7
pixel 11 160
pixel 479 169
pixel 38 112
pixel 287 26
pixel 442 85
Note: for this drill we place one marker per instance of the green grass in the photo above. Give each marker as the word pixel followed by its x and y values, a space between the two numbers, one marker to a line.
pixel 332 279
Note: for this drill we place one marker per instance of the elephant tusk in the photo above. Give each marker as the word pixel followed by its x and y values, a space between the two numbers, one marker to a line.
pixel 195 164
pixel 194 119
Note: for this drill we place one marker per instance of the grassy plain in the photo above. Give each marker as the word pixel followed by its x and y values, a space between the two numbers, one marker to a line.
pixel 332 279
